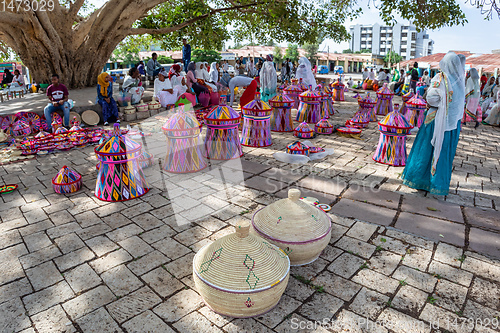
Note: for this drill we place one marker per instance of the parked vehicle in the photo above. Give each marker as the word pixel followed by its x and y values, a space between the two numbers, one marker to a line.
pixel 323 69
pixel 339 70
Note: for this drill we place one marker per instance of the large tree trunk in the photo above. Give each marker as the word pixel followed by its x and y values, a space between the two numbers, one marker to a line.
pixel 61 42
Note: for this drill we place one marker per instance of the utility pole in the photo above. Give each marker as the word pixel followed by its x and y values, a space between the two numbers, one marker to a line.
pixel 328 59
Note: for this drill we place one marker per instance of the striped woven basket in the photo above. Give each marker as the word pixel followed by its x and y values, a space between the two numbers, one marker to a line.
pixel 241 275
pixel 299 229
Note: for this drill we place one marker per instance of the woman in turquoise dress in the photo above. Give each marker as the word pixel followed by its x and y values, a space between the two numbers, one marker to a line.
pixel 430 162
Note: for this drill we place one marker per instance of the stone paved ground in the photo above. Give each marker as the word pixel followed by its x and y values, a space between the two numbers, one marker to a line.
pixel 72 263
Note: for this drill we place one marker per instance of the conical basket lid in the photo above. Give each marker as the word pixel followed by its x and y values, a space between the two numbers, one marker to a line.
pixel 66 176
pixel 416 101
pixel 303 128
pixel 182 123
pixel 118 144
pixel 297 145
pixel 311 94
pixel 257 105
pixel 21 125
pixel 395 119
pixel 293 89
pixel 280 99
pixel 406 97
pixel 291 220
pixel 367 101
pixel 385 91
pixel 241 262
pixel 222 112
pixel 361 117
pixel 324 123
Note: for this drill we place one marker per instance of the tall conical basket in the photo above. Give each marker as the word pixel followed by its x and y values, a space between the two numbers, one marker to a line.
pixel 222 141
pixel 391 148
pixel 256 131
pixel 384 101
pixel 415 111
pixel 367 106
pixel 241 275
pixel 309 110
pixel 120 176
pixel 281 118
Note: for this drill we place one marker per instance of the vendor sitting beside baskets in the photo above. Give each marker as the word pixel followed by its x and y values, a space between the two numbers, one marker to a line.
pixel 58 97
pixel 105 98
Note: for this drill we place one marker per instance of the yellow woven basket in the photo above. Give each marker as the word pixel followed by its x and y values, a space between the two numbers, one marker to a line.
pixel 301 230
pixel 241 275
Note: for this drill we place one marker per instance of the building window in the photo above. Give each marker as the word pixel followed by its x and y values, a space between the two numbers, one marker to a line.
pixel 412 53
pixel 404 34
pixel 413 36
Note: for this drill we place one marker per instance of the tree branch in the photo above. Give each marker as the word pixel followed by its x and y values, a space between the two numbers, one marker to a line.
pixel 14 19
pixel 75 8
pixel 141 31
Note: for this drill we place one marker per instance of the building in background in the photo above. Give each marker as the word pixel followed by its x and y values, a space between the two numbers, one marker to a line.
pixel 380 40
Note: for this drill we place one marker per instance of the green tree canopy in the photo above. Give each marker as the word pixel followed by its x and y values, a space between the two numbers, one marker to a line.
pixel 347 51
pixel 392 58
pixel 162 59
pixel 278 57
pixel 206 56
pixel 292 52
pixel 311 51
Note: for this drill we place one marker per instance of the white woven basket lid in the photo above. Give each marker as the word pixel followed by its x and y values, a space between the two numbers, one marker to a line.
pixel 241 262
pixel 292 220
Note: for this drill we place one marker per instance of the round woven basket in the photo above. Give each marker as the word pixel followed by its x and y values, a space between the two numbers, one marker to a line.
pixel 301 230
pixel 90 117
pixel 73 115
pixel 241 275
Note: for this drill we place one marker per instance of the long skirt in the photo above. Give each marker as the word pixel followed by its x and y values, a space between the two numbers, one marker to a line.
pixel 417 173
pixel 109 110
pixel 167 98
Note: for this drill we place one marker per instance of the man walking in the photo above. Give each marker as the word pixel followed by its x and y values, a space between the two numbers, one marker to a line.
pixel 186 53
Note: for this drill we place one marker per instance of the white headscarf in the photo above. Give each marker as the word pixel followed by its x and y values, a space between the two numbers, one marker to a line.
pixel 268 77
pixel 305 73
pixel 472 85
pixel 448 113
pixel 214 73
pixel 199 70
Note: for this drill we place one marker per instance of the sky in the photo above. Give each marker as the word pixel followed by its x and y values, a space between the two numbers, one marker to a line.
pixel 477 36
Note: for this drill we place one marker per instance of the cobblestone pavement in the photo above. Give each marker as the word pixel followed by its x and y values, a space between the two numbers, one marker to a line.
pixel 72 263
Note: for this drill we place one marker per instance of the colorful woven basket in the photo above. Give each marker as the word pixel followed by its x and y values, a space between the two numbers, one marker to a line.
pixel 256 131
pixel 8 123
pixel 309 107
pixel 367 105
pixel 241 275
pixel 185 154
pixel 77 135
pixel 384 100
pixel 349 132
pixel 391 148
pixel 406 97
pixel 67 180
pixel 338 90
pixel 21 128
pixel 146 160
pixel 299 229
pixel 415 111
pixel 297 148
pixel 222 141
pixel 33 121
pixel 360 119
pixel 323 127
pixel 293 91
pixel 120 176
pixel 303 131
pixel 281 118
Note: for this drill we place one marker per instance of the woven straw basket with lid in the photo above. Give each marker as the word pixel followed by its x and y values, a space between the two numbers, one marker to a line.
pixel 241 275
pixel 300 229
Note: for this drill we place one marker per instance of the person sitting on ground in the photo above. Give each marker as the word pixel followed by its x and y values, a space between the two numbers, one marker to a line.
pixel 153 66
pixel 164 92
pixel 140 67
pixel 58 97
pixel 350 83
pixel 105 98
pixel 17 80
pixel 192 82
pixel 132 84
pixel 7 78
pixel 178 82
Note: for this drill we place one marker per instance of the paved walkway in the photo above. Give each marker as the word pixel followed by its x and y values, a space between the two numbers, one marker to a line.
pixel 397 260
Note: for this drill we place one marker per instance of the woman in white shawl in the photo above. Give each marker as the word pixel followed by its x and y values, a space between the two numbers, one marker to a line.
pixel 472 94
pixel 213 75
pixel 305 73
pixel 494 115
pixel 268 79
pixel 430 162
pixel 132 85
pixel 487 94
pixel 250 68
pixel 164 92
pixel 199 70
